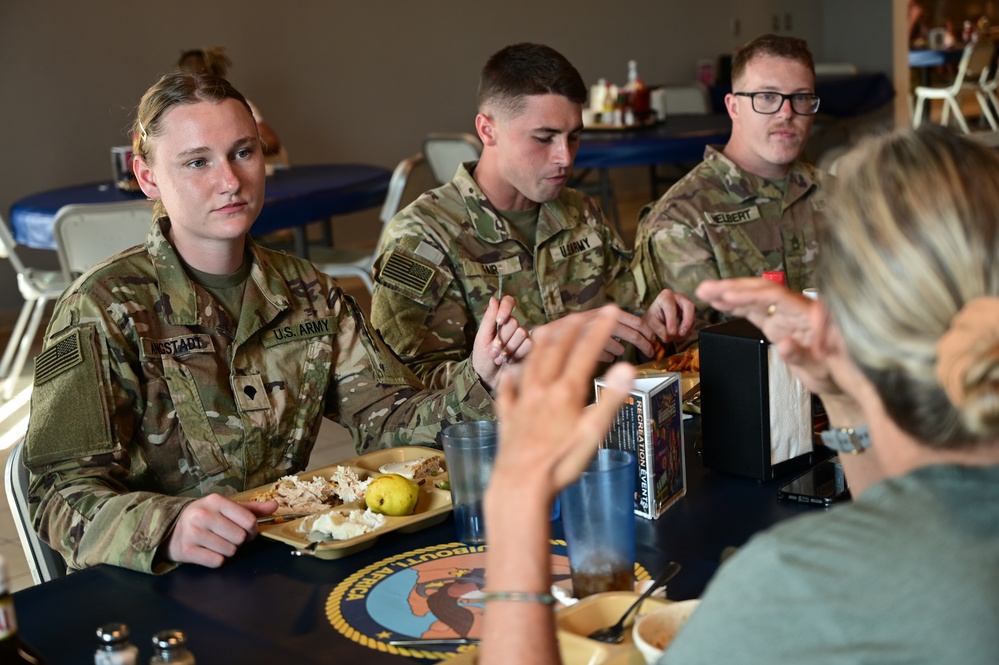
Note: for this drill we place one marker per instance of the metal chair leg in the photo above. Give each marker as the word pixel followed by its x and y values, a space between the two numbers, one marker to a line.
pixel 986 111
pixel 27 339
pixel 15 337
pixel 958 115
pixel 917 117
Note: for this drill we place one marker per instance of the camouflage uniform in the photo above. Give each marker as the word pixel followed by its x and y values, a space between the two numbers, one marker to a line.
pixel 719 221
pixel 147 394
pixel 439 261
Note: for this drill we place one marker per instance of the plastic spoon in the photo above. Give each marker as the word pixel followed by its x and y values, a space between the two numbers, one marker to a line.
pixel 614 634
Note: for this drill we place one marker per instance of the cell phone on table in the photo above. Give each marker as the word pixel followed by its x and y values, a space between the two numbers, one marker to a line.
pixel 822 485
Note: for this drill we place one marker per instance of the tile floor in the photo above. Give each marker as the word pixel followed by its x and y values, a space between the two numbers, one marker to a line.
pixel 334 443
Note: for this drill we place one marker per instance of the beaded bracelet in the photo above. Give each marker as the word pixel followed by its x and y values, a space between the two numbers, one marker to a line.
pixel 521 596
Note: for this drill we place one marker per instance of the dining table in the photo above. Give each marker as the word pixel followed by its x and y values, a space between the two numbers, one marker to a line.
pixel 293 198
pixel 266 606
pixel 927 59
pixel 676 140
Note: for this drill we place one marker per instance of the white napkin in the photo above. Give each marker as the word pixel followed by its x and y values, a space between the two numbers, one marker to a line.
pixel 790 411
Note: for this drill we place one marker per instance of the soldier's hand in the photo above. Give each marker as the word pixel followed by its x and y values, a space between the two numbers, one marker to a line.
pixel 627 328
pixel 500 339
pixel 671 316
pixel 209 530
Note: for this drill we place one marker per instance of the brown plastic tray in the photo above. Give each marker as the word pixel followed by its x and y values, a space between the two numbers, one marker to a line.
pixel 432 507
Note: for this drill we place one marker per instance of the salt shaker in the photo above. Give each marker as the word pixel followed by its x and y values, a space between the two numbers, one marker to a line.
pixel 170 646
pixel 115 649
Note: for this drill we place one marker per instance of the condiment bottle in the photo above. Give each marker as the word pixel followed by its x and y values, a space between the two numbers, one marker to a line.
pixel 13 649
pixel 170 646
pixel 775 276
pixel 638 93
pixel 115 649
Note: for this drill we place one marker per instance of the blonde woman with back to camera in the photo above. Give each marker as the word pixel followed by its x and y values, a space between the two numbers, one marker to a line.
pixel 903 348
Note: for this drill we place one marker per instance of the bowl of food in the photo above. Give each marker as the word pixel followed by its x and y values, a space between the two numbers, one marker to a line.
pixel 654 631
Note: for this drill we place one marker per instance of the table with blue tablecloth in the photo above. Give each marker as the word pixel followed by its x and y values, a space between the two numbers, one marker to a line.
pixel 294 197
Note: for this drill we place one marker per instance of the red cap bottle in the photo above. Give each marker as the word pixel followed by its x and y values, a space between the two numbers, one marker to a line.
pixel 776 276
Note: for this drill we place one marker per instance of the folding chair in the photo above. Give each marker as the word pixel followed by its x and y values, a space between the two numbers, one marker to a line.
pixel 348 262
pixel 445 151
pixel 86 234
pixel 45 563
pixel 975 62
pixel 37 287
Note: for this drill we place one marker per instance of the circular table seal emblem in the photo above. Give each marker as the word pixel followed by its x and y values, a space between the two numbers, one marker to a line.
pixel 426 593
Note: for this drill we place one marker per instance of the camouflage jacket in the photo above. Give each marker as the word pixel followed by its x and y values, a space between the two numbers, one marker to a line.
pixel 440 258
pixel 719 221
pixel 147 394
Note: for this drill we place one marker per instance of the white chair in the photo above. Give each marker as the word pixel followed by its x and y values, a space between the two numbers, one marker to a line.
pixel 45 563
pixel 445 151
pixel 986 92
pixel 86 234
pixel 687 99
pixel 975 62
pixel 348 262
pixel 37 287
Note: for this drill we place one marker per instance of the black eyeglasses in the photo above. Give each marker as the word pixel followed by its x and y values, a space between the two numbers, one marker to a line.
pixel 769 103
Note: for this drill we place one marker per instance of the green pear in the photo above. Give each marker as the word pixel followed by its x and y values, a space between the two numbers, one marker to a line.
pixel 392 494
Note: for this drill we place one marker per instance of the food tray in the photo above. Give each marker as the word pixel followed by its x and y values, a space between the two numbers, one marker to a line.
pixel 432 507
pixel 690 382
pixel 577 621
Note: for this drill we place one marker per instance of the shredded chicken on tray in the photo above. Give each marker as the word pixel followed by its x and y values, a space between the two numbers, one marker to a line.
pixel 295 495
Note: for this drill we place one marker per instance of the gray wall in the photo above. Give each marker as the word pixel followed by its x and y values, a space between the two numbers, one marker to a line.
pixel 340 81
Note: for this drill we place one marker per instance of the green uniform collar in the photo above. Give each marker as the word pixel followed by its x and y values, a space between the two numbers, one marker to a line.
pixel 266 294
pixel 489 224
pixel 745 186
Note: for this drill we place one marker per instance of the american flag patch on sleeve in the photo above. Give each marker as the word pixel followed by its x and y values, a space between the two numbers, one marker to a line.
pixel 407 273
pixel 57 359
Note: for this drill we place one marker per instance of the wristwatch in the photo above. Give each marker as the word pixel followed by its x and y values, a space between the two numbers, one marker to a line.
pixel 847 439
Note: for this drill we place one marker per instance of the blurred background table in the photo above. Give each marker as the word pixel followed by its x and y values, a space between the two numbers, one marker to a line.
pixel 294 198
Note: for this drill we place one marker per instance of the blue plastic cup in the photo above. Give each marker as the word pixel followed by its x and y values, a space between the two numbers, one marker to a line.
pixel 470 450
pixel 598 516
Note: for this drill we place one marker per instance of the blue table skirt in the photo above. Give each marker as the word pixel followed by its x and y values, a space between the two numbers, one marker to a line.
pixel 293 197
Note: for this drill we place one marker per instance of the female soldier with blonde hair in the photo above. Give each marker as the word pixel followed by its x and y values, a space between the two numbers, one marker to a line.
pixel 903 349
pixel 200 364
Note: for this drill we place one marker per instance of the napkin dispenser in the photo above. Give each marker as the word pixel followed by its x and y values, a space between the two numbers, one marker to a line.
pixel 756 417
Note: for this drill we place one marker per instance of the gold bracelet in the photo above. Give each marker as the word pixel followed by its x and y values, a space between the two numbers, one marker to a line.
pixel 520 596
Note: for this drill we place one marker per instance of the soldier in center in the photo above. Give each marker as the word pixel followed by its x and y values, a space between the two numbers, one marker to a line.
pixel 508 224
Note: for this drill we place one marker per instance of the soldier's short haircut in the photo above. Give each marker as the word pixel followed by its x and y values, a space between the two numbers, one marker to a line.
pixel 521 70
pixel 774 46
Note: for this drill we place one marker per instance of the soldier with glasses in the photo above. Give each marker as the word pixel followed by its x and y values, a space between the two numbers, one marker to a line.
pixel 750 206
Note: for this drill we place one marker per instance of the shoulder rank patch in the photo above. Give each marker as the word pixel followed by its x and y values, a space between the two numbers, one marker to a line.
pixel 733 216
pixel 407 273
pixel 55 360
pixel 568 249
pixel 177 346
pixel 294 332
